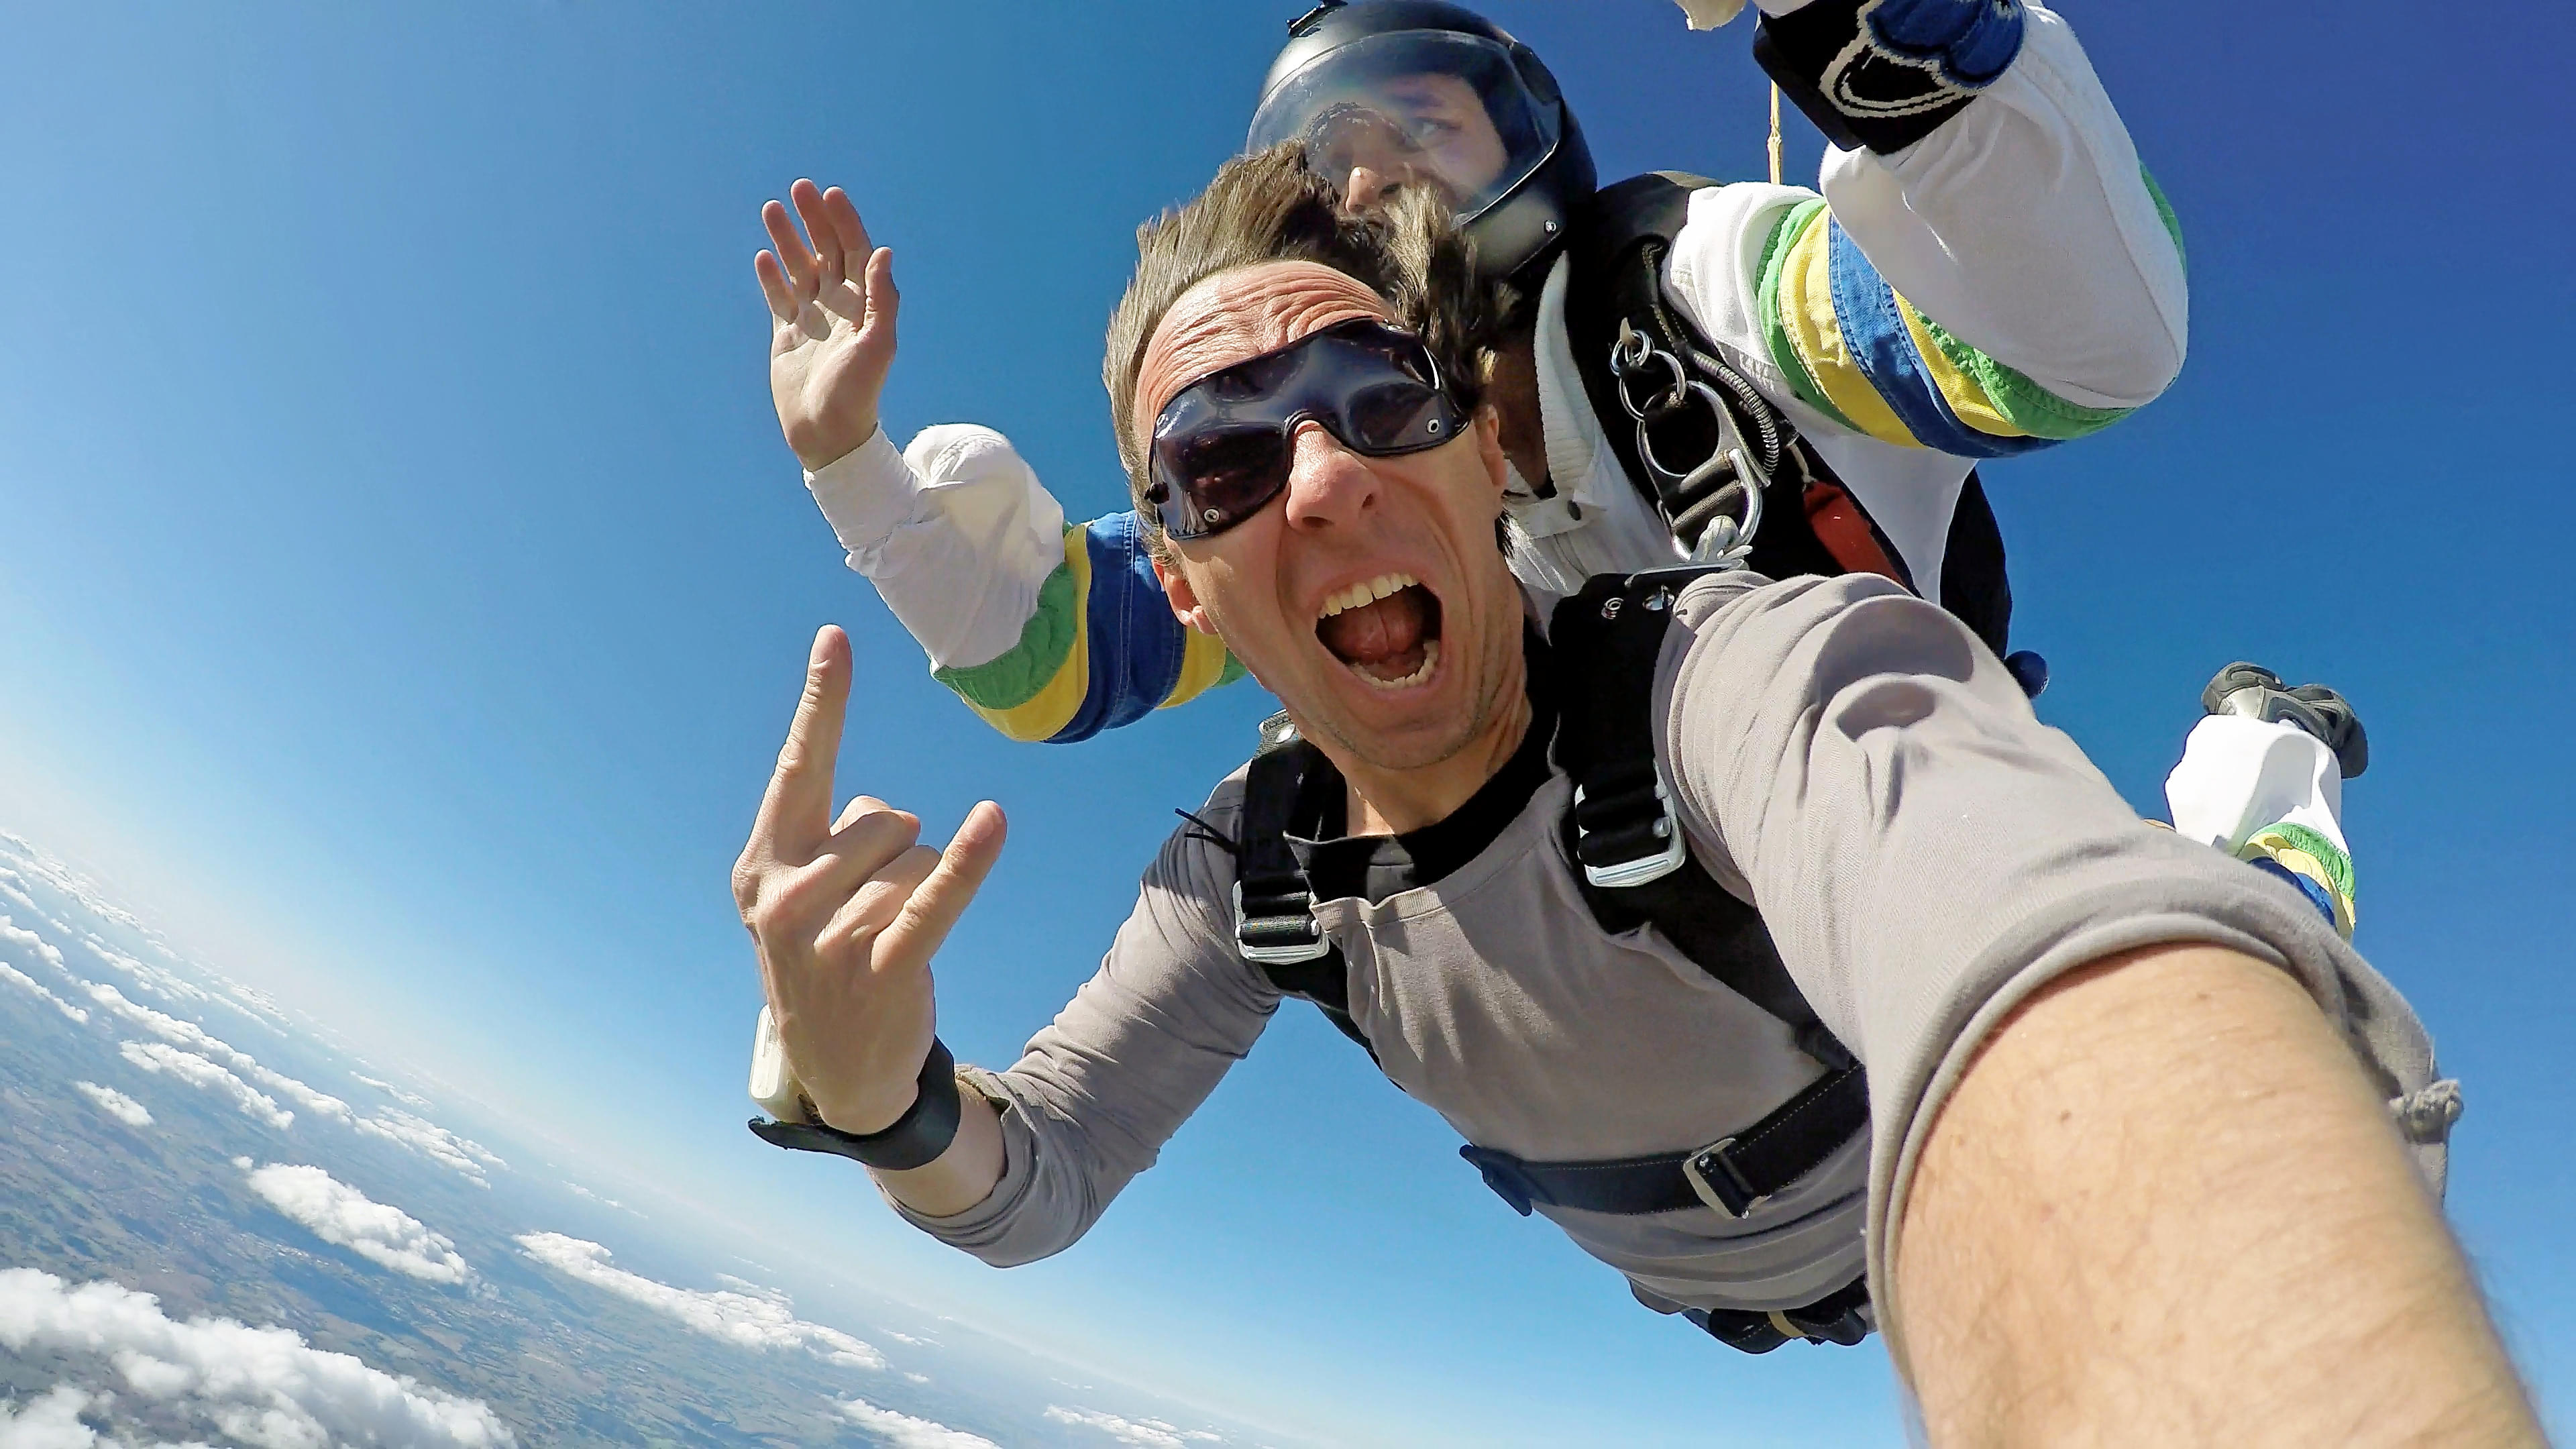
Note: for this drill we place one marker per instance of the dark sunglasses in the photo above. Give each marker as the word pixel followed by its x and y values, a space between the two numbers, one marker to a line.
pixel 1223 445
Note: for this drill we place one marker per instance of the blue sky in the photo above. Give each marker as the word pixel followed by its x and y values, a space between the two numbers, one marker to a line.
pixel 403 588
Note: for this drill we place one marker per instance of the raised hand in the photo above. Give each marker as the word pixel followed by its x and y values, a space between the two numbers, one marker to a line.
pixel 834 304
pixel 847 913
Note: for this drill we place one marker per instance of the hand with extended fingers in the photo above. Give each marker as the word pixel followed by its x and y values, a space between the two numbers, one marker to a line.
pixel 834 304
pixel 846 914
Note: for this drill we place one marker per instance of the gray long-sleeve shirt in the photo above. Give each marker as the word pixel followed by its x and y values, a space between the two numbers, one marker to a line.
pixel 1845 756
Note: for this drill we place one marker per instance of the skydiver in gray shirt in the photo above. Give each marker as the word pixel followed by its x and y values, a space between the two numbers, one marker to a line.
pixel 2144 1150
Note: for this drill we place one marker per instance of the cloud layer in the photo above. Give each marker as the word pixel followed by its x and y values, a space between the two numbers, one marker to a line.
pixel 761 1323
pixel 378 1232
pixel 259 1386
pixel 29 941
pixel 115 1104
pixel 196 1071
pixel 903 1431
pixel 447 1149
pixel 1141 1433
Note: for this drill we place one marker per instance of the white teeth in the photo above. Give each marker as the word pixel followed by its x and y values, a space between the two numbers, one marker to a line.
pixel 1430 658
pixel 1367 592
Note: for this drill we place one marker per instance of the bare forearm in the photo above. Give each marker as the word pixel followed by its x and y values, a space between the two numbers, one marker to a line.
pixel 2164 1206
pixel 960 1177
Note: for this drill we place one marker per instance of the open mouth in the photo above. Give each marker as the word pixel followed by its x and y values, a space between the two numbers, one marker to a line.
pixel 1386 630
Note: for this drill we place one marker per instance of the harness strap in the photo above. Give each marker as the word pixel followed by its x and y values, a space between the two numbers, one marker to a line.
pixel 1274 917
pixel 1684 412
pixel 1636 866
pixel 1734 1174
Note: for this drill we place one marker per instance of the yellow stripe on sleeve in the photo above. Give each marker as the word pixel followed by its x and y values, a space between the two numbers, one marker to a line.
pixel 1968 401
pixel 1202 664
pixel 1052 707
pixel 1807 313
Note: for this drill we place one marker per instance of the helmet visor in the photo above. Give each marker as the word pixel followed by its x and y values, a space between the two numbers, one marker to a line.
pixel 1427 108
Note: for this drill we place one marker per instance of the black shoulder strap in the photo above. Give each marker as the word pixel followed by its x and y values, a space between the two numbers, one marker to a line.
pixel 1661 427
pixel 1634 865
pixel 1665 399
pixel 1274 919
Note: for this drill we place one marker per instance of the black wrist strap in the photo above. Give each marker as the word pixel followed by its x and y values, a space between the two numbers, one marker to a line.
pixel 912 1140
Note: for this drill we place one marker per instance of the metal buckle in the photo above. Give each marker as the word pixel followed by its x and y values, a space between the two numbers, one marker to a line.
pixel 1279 955
pixel 1719 1182
pixel 1623 874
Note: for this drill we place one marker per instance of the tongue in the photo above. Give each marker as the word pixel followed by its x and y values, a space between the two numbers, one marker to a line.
pixel 1375 636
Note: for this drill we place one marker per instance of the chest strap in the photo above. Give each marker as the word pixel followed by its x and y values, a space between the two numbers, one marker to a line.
pixel 1274 907
pixel 1734 1174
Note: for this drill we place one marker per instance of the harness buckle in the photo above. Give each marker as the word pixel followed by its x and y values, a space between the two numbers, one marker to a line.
pixel 1637 871
pixel 1266 938
pixel 1504 1176
pixel 1721 1184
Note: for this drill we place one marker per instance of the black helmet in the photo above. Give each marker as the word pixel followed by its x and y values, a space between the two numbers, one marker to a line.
pixel 1431 93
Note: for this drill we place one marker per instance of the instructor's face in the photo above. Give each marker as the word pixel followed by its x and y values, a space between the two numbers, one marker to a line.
pixel 1369 595
pixel 1421 130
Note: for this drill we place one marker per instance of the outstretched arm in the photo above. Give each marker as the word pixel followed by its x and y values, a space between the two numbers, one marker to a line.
pixel 1047 632
pixel 1989 269
pixel 845 915
pixel 2142 1121
pixel 2164 1207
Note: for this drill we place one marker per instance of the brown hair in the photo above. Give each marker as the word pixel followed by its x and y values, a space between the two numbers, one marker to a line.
pixel 1272 207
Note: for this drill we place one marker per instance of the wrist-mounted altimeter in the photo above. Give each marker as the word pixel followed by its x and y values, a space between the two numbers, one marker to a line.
pixel 915 1139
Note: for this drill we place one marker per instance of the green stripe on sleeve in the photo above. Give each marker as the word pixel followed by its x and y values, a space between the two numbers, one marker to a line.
pixel 2025 404
pixel 1233 671
pixel 1775 255
pixel 1015 677
pixel 2165 213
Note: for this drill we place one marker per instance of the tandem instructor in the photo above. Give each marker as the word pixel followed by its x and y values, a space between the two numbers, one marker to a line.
pixel 1755 933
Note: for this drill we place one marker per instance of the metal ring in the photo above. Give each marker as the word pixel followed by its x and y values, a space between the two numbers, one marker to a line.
pixel 1672 397
pixel 1717 414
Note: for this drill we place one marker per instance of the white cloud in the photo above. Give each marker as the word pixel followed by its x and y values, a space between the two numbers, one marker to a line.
pixel 378 1232
pixel 433 1142
pixel 761 1323
pixel 260 1386
pixel 11 935
pixel 153 1056
pixel 205 1043
pixel 51 1421
pixel 408 1099
pixel 1141 1433
pixel 115 1104
pixel 582 1191
pixel 61 880
pixel 903 1431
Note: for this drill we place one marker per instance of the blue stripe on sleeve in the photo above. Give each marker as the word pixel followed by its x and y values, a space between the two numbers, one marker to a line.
pixel 2317 894
pixel 1874 332
pixel 1136 644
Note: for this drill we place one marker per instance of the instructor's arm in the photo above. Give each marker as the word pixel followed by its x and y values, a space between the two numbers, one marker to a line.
pixel 2164 1207
pixel 846 915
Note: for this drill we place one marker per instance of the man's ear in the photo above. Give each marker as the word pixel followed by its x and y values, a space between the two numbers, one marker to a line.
pixel 1489 447
pixel 1177 588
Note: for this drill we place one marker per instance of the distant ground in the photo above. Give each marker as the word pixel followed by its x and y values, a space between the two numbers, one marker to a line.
pixel 215 1228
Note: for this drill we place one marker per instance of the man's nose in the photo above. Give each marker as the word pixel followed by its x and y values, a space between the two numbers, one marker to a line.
pixel 1366 185
pixel 1328 484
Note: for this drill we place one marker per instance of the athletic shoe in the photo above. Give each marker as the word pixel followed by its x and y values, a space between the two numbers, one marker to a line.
pixel 2254 692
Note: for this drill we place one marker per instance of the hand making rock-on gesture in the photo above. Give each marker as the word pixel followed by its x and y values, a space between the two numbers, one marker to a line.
pixel 834 302
pixel 847 913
